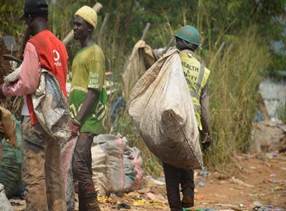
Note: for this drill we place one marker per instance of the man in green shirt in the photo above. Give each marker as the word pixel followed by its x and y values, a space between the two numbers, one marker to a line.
pixel 87 103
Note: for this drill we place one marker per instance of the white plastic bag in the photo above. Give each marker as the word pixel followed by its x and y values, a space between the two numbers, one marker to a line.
pixel 161 107
pixel 4 202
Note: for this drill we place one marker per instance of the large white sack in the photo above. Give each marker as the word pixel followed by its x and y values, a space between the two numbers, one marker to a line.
pixel 161 107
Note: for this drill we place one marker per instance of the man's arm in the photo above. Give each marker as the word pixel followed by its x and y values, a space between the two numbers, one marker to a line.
pixel 91 99
pixel 204 100
pixel 29 75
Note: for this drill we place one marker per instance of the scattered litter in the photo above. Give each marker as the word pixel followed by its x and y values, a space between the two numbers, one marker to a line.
pixel 271 155
pixel 155 181
pixel 139 202
pixel 123 206
pixel 155 197
pixel 201 209
pixel 231 206
pixel 240 182
pixel 203 174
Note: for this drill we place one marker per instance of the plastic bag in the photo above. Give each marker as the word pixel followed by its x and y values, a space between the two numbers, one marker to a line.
pixel 51 108
pixel 117 168
pixel 11 159
pixel 4 202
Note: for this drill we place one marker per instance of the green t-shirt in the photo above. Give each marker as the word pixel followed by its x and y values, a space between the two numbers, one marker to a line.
pixel 88 71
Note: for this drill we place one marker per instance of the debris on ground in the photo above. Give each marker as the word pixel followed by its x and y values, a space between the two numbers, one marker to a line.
pixel 268 136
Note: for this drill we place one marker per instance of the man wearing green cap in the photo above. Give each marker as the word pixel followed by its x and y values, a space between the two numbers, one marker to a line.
pixel 87 103
pixel 187 41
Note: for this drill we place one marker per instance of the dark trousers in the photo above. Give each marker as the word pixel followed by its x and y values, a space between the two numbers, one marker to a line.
pixel 177 178
pixel 82 164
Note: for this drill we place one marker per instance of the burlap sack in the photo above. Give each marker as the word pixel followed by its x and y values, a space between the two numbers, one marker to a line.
pixel 9 125
pixel 161 107
pixel 140 59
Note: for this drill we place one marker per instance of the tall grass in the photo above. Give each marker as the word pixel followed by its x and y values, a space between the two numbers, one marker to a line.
pixel 237 68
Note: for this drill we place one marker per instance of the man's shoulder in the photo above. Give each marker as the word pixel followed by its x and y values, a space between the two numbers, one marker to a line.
pixel 94 51
pixel 44 36
pixel 97 49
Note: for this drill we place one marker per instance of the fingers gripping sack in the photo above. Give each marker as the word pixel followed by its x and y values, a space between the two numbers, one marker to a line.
pixel 8 125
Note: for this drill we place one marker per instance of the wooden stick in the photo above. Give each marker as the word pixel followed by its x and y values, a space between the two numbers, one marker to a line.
pixel 146 29
pixel 103 26
pixel 97 7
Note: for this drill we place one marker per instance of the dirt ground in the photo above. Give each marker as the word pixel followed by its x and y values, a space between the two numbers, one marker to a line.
pixel 260 182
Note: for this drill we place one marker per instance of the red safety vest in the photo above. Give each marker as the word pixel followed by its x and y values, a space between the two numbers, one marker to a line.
pixel 53 57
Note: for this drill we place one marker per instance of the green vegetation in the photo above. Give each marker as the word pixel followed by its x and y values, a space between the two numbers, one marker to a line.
pixel 236 38
pixel 237 70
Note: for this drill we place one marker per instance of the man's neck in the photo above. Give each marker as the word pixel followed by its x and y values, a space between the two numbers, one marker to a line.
pixel 40 25
pixel 86 42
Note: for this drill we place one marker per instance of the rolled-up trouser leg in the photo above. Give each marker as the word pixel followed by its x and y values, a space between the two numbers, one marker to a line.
pixel 172 179
pixel 34 177
pixel 54 177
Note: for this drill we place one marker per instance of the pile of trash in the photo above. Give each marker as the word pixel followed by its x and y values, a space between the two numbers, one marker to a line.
pixel 268 136
pixel 117 168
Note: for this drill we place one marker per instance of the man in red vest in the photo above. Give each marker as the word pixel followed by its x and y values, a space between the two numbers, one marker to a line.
pixel 41 167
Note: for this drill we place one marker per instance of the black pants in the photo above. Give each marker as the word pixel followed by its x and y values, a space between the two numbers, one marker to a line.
pixel 176 177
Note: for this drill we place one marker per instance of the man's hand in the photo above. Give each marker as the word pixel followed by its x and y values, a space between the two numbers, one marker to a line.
pixel 12 141
pixel 206 141
pixel 1 92
pixel 74 126
pixel 8 126
pixel 1 127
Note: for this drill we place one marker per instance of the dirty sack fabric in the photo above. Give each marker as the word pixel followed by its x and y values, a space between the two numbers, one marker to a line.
pixel 9 124
pixel 67 151
pixel 4 202
pixel 135 67
pixel 117 168
pixel 11 159
pixel 51 107
pixel 161 106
